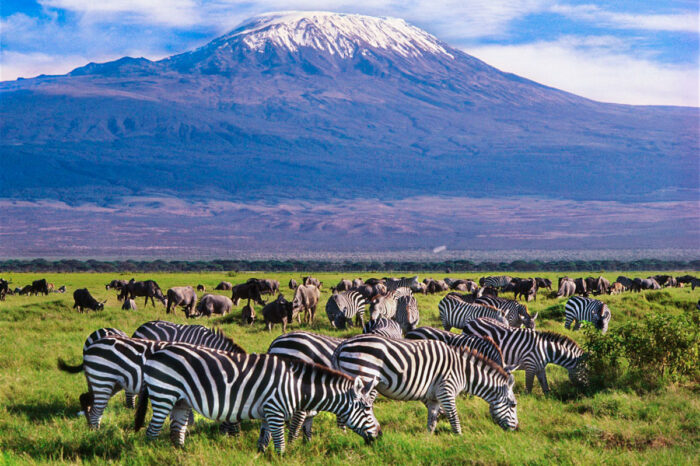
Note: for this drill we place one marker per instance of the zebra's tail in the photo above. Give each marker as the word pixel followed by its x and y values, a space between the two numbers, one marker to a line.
pixel 141 409
pixel 71 369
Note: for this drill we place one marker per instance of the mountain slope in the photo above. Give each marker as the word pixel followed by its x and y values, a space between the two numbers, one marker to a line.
pixel 320 105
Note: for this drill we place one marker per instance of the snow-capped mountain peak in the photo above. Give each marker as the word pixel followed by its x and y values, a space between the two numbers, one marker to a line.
pixel 341 35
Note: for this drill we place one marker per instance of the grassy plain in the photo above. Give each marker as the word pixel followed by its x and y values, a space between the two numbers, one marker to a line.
pixel 38 403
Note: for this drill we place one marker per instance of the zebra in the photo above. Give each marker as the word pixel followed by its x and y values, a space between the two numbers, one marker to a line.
pixel 312 348
pixel 342 307
pixel 407 314
pixel 432 372
pixel 500 281
pixel 231 387
pixel 385 327
pixel 484 345
pixel 582 309
pixel 101 333
pixel 403 282
pixel 515 313
pixel 455 313
pixel 532 350
pixel 161 330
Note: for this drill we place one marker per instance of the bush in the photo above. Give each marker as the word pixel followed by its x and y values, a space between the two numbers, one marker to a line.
pixel 646 354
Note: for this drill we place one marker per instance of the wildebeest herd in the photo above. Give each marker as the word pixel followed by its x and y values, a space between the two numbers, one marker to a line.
pixel 181 368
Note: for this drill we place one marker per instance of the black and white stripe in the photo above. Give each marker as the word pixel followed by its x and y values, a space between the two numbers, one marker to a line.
pixel 515 313
pixel 500 281
pixel 231 387
pixel 407 314
pixel 385 327
pixel 432 372
pixel 456 313
pixel 342 307
pixel 531 350
pixel 403 282
pixel 199 335
pixel 582 309
pixel 484 345
pixel 101 333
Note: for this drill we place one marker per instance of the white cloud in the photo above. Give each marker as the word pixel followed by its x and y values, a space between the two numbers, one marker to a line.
pixel 679 22
pixel 597 68
pixel 168 12
pixel 28 65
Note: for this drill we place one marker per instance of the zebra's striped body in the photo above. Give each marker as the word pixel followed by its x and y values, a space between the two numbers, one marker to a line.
pixel 515 313
pixel 403 282
pixel 383 306
pixel 432 372
pixel 531 350
pixel 198 335
pixel 384 327
pixel 486 346
pixel 407 314
pixel 342 307
pixel 101 333
pixel 582 309
pixel 232 387
pixel 456 313
pixel 500 281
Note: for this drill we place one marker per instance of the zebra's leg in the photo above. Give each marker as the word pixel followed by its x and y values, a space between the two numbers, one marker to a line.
pixel 130 400
pixel 341 422
pixel 447 401
pixel 275 425
pixel 99 403
pixel 161 408
pixel 542 377
pixel 178 423
pixel 299 418
pixel 433 414
pixel 577 325
pixel 231 429
pixel 567 323
pixel 529 379
pixel 264 439
pixel 190 418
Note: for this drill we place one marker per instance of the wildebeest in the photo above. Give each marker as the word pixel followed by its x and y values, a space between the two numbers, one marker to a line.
pixel 628 283
pixel 201 288
pixel 40 286
pixel 266 285
pixel 213 304
pixel 116 284
pixel 313 281
pixel 83 299
pixel 662 280
pixel 357 282
pixel 227 286
pixel 4 288
pixel 544 283
pixel 279 311
pixel 293 284
pixel 61 289
pixel 306 299
pixel 526 288
pixel 248 313
pixel 647 284
pixel 343 285
pixel 435 286
pixel 567 288
pixel 129 305
pixel 249 291
pixel 370 291
pixel 685 279
pixel 147 289
pixel 581 286
pixel 373 281
pixel 183 296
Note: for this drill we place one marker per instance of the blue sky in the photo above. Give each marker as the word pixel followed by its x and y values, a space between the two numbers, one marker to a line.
pixel 627 51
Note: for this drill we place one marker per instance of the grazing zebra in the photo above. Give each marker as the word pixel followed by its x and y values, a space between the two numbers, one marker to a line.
pixel 515 313
pixel 403 282
pixel 101 333
pixel 484 345
pixel 432 372
pixel 455 313
pixel 383 305
pixel 582 309
pixel 342 307
pixel 199 335
pixel 232 387
pixel 406 310
pixel 385 327
pixel 532 350
pixel 500 281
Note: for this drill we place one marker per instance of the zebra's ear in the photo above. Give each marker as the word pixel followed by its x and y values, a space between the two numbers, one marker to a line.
pixel 511 381
pixel 369 386
pixel 357 386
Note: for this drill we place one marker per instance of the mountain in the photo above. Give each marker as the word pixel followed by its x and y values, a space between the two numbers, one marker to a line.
pixel 328 107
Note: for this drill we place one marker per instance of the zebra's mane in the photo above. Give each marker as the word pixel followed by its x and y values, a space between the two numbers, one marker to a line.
pixel 236 347
pixel 472 353
pixel 498 348
pixel 554 337
pixel 298 364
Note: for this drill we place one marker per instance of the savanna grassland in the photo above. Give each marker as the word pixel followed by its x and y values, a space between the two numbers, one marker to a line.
pixel 619 425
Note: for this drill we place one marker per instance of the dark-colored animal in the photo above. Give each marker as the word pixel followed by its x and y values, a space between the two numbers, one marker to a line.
pixel 685 279
pixel 486 346
pixel 183 296
pixel 374 281
pixel 25 290
pixel 116 285
pixel 581 288
pixel 282 387
pixel 61 289
pixel 40 287
pixel 544 283
pixel 279 311
pixel 515 313
pixel 598 285
pixel 385 327
pixel 225 286
pixel 532 350
pixel 147 289
pixel 567 287
pixel 526 288
pixel 435 286
pixel 213 304
pixel 432 372
pixel 306 299
pixel 662 280
pixel 498 282
pixel 201 288
pixel 345 306
pixel 647 284
pixel 463 285
pixel 248 313
pixel 293 284
pixel 4 289
pixel 370 292
pixel 455 313
pixel 84 300
pixel 582 309
pixel 628 283
pixel 249 290
pixel 129 305
pixel 357 282
pixel 266 285
pixel 343 285
pixel 313 281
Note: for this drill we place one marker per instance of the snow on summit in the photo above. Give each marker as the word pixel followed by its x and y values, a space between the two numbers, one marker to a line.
pixel 343 35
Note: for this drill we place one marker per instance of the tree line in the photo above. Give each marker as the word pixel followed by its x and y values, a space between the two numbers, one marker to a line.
pixel 448 266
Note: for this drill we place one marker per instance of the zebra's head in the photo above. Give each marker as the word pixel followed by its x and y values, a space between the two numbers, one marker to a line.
pixel 504 410
pixel 603 319
pixel 360 417
pixel 527 320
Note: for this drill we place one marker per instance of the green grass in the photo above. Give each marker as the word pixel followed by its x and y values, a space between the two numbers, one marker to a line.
pixel 38 403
